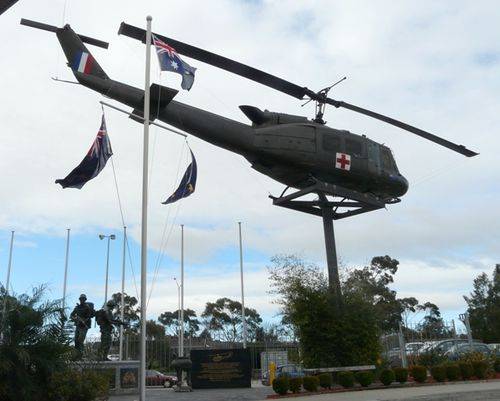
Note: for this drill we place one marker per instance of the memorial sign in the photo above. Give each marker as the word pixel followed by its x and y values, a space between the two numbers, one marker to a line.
pixel 221 368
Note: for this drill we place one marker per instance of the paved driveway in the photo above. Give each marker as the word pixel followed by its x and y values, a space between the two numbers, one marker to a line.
pixel 472 391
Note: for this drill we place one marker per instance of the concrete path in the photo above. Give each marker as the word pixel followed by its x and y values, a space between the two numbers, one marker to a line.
pixel 472 391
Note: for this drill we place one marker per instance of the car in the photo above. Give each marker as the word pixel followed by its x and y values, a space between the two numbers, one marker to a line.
pixel 412 348
pixel 459 350
pixel 290 370
pixel 495 349
pixel 442 346
pixel 155 378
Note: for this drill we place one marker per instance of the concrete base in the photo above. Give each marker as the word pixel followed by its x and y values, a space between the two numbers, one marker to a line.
pixel 123 375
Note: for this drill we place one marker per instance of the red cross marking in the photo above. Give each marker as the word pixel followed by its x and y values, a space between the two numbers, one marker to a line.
pixel 343 161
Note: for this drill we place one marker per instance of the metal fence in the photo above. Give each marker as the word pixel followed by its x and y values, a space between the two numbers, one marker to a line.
pixel 401 347
pixel 161 352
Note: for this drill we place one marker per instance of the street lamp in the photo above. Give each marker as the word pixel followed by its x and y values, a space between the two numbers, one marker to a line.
pixel 109 237
pixel 178 315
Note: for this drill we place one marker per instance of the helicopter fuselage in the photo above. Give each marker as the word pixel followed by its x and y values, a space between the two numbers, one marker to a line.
pixel 294 150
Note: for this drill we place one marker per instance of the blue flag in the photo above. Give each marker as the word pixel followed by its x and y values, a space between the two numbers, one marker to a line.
pixel 187 185
pixel 170 61
pixel 93 163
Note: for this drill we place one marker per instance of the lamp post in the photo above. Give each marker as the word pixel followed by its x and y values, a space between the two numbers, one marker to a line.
pixel 178 316
pixel 109 237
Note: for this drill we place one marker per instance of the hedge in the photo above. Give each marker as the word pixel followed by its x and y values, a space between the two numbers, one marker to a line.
pixel 452 371
pixel 401 375
pixel 387 377
pixel 295 384
pixel 345 379
pixel 311 383
pixel 325 380
pixel 466 370
pixel 281 385
pixel 480 369
pixel 419 373
pixel 438 373
pixel 365 378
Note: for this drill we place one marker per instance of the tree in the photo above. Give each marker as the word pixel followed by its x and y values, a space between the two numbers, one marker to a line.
pixel 223 319
pixel 484 307
pixel 432 325
pixel 131 311
pixel 171 322
pixel 408 306
pixel 371 284
pixel 328 336
pixel 34 347
pixel 154 331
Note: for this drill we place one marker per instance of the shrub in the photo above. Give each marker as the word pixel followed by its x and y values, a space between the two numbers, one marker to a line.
pixel 281 385
pixel 387 377
pixel 325 380
pixel 295 384
pixel 480 368
pixel 365 378
pixel 346 336
pixel 432 358
pixel 401 375
pixel 496 365
pixel 345 379
pixel 311 383
pixel 438 373
pixel 466 370
pixel 74 385
pixel 452 371
pixel 419 373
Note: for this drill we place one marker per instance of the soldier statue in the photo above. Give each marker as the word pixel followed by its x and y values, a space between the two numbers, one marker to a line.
pixel 104 319
pixel 82 316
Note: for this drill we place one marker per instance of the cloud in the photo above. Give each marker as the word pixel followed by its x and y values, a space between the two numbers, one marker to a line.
pixel 411 62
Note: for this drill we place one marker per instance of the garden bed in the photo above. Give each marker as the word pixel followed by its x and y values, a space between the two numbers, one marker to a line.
pixel 379 386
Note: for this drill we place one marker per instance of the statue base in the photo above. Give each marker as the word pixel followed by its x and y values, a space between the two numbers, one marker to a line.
pixel 123 375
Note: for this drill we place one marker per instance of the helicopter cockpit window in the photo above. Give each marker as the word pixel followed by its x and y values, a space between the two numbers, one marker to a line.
pixel 387 163
pixel 353 147
pixel 331 143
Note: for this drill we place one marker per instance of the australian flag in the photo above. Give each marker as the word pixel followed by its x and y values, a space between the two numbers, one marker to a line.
pixel 93 162
pixel 187 185
pixel 170 61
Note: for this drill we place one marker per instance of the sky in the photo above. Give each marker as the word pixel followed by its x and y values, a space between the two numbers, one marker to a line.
pixel 431 64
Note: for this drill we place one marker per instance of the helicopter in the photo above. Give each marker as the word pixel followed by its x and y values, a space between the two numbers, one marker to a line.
pixel 291 149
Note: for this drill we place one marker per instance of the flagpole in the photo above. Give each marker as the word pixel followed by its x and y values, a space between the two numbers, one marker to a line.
pixel 182 293
pixel 122 307
pixel 144 232
pixel 7 284
pixel 65 272
pixel 244 322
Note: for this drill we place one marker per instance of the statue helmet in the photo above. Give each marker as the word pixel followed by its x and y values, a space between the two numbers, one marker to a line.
pixel 83 296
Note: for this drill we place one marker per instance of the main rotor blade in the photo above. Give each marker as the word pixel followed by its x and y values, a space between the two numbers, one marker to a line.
pixel 417 131
pixel 282 85
pixel 220 62
pixel 6 4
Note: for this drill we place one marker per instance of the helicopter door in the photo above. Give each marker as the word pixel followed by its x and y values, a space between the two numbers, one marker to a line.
pixel 373 157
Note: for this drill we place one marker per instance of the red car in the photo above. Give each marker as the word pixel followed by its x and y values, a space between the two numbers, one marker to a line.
pixel 155 378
